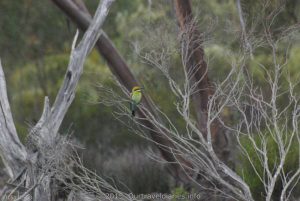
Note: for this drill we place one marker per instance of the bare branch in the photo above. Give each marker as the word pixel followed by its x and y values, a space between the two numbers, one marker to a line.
pixel 66 93
pixel 11 149
pixel 245 39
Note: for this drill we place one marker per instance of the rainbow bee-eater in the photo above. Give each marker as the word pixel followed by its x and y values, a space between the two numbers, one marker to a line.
pixel 136 97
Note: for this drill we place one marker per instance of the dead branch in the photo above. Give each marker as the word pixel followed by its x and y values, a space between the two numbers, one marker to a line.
pixel 12 151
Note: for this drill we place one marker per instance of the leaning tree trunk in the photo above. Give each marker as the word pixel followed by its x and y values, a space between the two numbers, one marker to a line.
pixel 33 169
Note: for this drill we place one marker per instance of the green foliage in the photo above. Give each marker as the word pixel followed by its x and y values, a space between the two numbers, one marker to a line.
pixel 263 64
pixel 31 29
pixel 248 173
pixel 293 65
pixel 218 59
pixel 180 194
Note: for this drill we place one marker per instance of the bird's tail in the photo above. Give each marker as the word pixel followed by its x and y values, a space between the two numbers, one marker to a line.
pixel 133 108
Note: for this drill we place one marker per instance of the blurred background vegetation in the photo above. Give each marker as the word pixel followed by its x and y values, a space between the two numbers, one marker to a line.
pixel 35 41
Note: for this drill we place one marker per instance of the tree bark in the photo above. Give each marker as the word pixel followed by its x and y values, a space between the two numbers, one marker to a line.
pixel 12 150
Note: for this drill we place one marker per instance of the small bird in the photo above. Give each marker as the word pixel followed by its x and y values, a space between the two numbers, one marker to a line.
pixel 136 97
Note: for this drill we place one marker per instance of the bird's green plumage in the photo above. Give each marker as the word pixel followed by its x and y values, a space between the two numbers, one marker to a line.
pixel 136 97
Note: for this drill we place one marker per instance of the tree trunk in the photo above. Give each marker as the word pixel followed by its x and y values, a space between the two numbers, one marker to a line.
pixel 196 64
